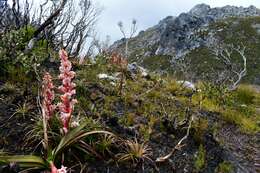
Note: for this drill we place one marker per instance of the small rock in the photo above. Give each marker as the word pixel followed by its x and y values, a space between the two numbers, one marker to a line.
pixel 187 84
pixel 105 76
pixel 134 69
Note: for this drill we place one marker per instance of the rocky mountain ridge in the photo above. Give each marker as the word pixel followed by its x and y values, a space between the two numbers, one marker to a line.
pixel 176 36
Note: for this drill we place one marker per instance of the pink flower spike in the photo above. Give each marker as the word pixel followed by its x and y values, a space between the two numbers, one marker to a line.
pixel 67 88
pixel 48 95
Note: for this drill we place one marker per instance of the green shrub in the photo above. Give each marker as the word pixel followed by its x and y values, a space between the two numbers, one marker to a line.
pixel 224 167
pixel 200 127
pixel 246 124
pixel 200 160
pixel 244 95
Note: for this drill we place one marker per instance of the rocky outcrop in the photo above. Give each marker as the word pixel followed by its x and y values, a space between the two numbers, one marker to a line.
pixel 176 36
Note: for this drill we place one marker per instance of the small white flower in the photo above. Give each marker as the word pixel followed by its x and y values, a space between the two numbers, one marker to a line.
pixel 105 76
pixel 102 76
pixel 74 124
pixel 113 83
pixel 63 169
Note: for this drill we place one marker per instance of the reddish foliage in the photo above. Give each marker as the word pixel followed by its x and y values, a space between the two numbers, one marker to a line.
pixel 117 59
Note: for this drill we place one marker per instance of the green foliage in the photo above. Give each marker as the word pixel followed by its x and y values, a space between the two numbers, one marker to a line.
pixel 244 95
pixel 172 87
pixel 22 109
pixel 157 63
pixel 18 66
pixel 8 88
pixel 145 102
pixel 105 143
pixel 74 136
pixel 35 131
pixel 127 120
pixel 200 128
pixel 224 167
pixel 200 159
pixel 202 63
pixel 236 107
pixel 245 123
pixel 146 131
pixel 135 152
pixel 24 161
pixel 217 93
pixel 89 71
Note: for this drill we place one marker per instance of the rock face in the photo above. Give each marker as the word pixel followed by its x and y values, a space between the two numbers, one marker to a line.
pixel 176 36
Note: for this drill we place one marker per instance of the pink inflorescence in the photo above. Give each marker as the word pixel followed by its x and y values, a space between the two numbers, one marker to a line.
pixel 48 95
pixel 66 105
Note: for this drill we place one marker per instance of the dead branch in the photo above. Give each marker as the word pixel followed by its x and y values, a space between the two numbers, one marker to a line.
pixel 178 146
pixel 61 23
pixel 16 12
pixel 41 11
pixel 46 23
pixel 73 34
pixel 233 72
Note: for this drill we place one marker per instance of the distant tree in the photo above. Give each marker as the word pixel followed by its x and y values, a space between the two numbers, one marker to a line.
pixel 127 37
pixel 234 64
pixel 228 66
pixel 68 25
pixel 183 69
pixel 65 23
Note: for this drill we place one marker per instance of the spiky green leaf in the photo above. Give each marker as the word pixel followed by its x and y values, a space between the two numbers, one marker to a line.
pixel 24 161
pixel 75 136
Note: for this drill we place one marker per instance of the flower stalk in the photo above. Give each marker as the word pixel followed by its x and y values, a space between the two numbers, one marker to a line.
pixel 47 107
pixel 122 63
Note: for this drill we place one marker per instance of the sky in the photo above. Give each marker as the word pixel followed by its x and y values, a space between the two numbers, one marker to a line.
pixel 149 12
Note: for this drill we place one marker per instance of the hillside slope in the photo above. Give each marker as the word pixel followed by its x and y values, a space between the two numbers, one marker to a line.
pixel 148 116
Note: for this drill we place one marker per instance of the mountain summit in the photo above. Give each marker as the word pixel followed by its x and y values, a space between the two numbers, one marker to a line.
pixel 190 35
pixel 175 36
pixel 203 10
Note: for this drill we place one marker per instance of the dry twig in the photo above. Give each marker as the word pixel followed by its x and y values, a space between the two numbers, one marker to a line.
pixel 177 147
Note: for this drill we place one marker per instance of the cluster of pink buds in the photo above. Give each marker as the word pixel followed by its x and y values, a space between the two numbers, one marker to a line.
pixel 48 95
pixel 66 105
